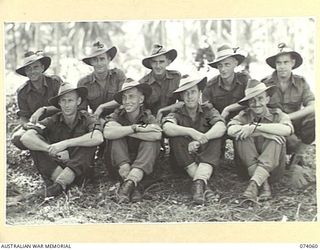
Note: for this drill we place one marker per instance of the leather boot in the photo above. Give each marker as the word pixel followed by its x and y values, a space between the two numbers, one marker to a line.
pixel 209 193
pixel 198 192
pixel 252 191
pixel 125 191
pixel 137 194
pixel 265 192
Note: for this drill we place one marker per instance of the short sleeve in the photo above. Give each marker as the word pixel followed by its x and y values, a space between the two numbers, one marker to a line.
pixel 23 106
pixel 214 116
pixel 307 95
pixel 238 119
pixel 41 127
pixel 171 117
pixel 93 123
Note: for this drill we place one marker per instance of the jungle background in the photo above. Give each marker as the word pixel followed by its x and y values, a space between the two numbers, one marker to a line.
pixel 168 199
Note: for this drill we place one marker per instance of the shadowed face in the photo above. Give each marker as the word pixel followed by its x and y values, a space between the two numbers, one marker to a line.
pixel 226 67
pixel 132 99
pixel 34 71
pixel 191 97
pixel 69 103
pixel 100 63
pixel 159 64
pixel 258 104
pixel 284 65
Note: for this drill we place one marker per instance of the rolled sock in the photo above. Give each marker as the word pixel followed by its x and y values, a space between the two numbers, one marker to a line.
pixel 135 175
pixel 191 169
pixel 66 177
pixel 124 170
pixel 251 169
pixel 56 173
pixel 260 175
pixel 203 172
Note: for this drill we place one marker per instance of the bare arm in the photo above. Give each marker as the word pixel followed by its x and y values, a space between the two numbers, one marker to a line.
pixel 302 112
pixel 108 105
pixel 274 128
pixel 40 111
pixel 32 141
pixel 216 131
pixel 170 108
pixel 231 108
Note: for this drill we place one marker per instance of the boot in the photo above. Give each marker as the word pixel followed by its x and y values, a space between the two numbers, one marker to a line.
pixel 251 192
pixel 209 194
pixel 125 191
pixel 198 192
pixel 265 193
pixel 137 194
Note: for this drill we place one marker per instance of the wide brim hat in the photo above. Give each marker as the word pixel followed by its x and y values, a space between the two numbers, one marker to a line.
pixel 159 50
pixel 187 83
pixel 129 84
pixel 65 88
pixel 254 88
pixel 98 49
pixel 283 50
pixel 224 52
pixel 31 57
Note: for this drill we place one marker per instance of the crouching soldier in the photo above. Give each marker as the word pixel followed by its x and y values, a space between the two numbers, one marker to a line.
pixel 194 134
pixel 259 138
pixel 134 139
pixel 63 145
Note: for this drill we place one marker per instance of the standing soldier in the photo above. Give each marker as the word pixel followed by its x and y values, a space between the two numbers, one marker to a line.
pixel 294 97
pixel 194 134
pixel 259 139
pixel 103 83
pixel 162 81
pixel 134 139
pixel 33 96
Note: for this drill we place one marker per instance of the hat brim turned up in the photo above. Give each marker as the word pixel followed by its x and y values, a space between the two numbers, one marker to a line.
pixel 82 92
pixel 110 52
pixel 45 60
pixel 171 54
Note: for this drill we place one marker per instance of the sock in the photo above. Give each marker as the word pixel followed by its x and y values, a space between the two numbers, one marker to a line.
pixel 66 177
pixel 56 173
pixel 260 175
pixel 251 169
pixel 203 172
pixel 124 170
pixel 135 175
pixel 191 169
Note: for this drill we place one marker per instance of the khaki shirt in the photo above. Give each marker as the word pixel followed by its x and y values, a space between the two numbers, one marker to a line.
pixel 101 93
pixel 206 118
pixel 30 98
pixel 162 91
pixel 297 94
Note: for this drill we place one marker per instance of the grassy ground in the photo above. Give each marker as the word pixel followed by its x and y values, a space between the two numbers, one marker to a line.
pixel 166 200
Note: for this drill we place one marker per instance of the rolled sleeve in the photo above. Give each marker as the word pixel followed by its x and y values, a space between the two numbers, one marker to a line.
pixel 285 119
pixel 214 117
pixel 238 120
pixel 93 123
pixel 307 95
pixel 171 117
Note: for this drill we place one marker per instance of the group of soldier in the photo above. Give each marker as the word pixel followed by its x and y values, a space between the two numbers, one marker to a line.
pixel 265 119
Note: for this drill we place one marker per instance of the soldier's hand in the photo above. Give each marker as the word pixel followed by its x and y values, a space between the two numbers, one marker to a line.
pixel 98 112
pixel 245 132
pixel 159 116
pixel 225 113
pixel 277 138
pixel 36 115
pixel 193 147
pixel 198 136
pixel 56 148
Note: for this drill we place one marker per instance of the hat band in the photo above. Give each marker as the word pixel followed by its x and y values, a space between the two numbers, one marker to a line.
pixel 258 88
pixel 31 59
pixel 226 52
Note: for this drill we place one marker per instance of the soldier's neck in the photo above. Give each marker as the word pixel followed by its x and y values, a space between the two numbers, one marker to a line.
pixel 70 119
pixel 227 82
pixel 38 84
pixel 101 76
pixel 159 77
pixel 192 112
pixel 132 116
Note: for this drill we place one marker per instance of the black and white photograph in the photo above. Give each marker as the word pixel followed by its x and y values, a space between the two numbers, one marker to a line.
pixel 160 121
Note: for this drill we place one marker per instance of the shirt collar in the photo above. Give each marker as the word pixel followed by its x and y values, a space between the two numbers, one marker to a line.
pixel 152 79
pixel 235 80
pixel 141 117
pixel 275 79
pixel 93 78
pixel 31 87
pixel 184 111
pixel 267 115
pixel 62 120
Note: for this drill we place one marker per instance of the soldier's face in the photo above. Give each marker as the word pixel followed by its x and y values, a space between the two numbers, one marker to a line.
pixel 284 65
pixel 100 63
pixel 159 64
pixel 191 97
pixel 132 99
pixel 69 103
pixel 258 104
pixel 226 67
pixel 34 71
